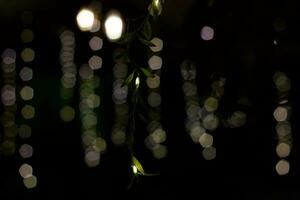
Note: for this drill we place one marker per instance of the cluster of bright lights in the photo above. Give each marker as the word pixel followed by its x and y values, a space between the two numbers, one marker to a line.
pixel 157 135
pixel 120 71
pixel 69 71
pixel 283 128
pixel 28 110
pixel 92 141
pixel 8 99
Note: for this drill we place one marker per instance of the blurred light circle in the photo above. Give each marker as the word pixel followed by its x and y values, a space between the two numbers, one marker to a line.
pixel 283 129
pixel 113 26
pixel 283 150
pixel 27 93
pixel 154 99
pixel 95 62
pixel 86 72
pixel 8 68
pixel 25 171
pixel 26 74
pixel 210 122
pixel 153 82
pixel 155 62
pixel 238 119
pixel 159 136
pixel 206 140
pixel 99 144
pixel 28 112
pixel 27 36
pixel 211 104
pixel 8 95
pixel 24 131
pixel 28 55
pixel 283 167
pixel 280 114
pixel 96 43
pixel 282 82
pixel 92 158
pixel 160 151
pixel 26 151
pixel 67 113
pixel 30 182
pixel 96 26
pixel 207 33
pixel 209 153
pixel 9 56
pixel 93 101
pixel 158 44
pixel 85 19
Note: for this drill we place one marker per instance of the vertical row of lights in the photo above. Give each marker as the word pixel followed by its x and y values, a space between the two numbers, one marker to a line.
pixel 8 98
pixel 157 135
pixel 93 143
pixel 69 74
pixel 199 120
pixel 28 110
pixel 283 128
pixel 119 96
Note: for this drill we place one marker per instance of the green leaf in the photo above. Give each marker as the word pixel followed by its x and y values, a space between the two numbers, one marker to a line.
pixel 147 72
pixel 146 42
pixel 129 79
pixel 138 165
pixel 147 30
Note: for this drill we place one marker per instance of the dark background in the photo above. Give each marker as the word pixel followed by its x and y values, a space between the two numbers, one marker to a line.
pixel 242 51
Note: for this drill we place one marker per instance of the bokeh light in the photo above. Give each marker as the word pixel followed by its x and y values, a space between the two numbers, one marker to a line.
pixel 26 151
pixel 92 158
pixel 283 150
pixel 24 131
pixel 209 153
pixel 85 19
pixel 211 104
pixel 25 170
pixel 8 95
pixel 96 43
pixel 30 182
pixel 155 62
pixel 26 74
pixel 280 114
pixel 67 113
pixel 158 136
pixel 153 82
pixel 157 45
pixel 28 55
pixel 28 112
pixel 159 151
pixel 206 140
pixel 9 56
pixel 27 35
pixel 27 93
pixel 207 33
pixel 154 99
pixel 113 26
pixel 95 62
pixel 283 167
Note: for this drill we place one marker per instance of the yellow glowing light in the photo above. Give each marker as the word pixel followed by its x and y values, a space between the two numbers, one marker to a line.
pixel 113 26
pixel 85 19
pixel 134 169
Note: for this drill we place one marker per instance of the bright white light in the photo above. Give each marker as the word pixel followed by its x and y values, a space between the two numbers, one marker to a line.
pixel 85 19
pixel 137 82
pixel 134 169
pixel 113 26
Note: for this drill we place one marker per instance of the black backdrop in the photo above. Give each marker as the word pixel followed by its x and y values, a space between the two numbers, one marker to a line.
pixel 242 50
